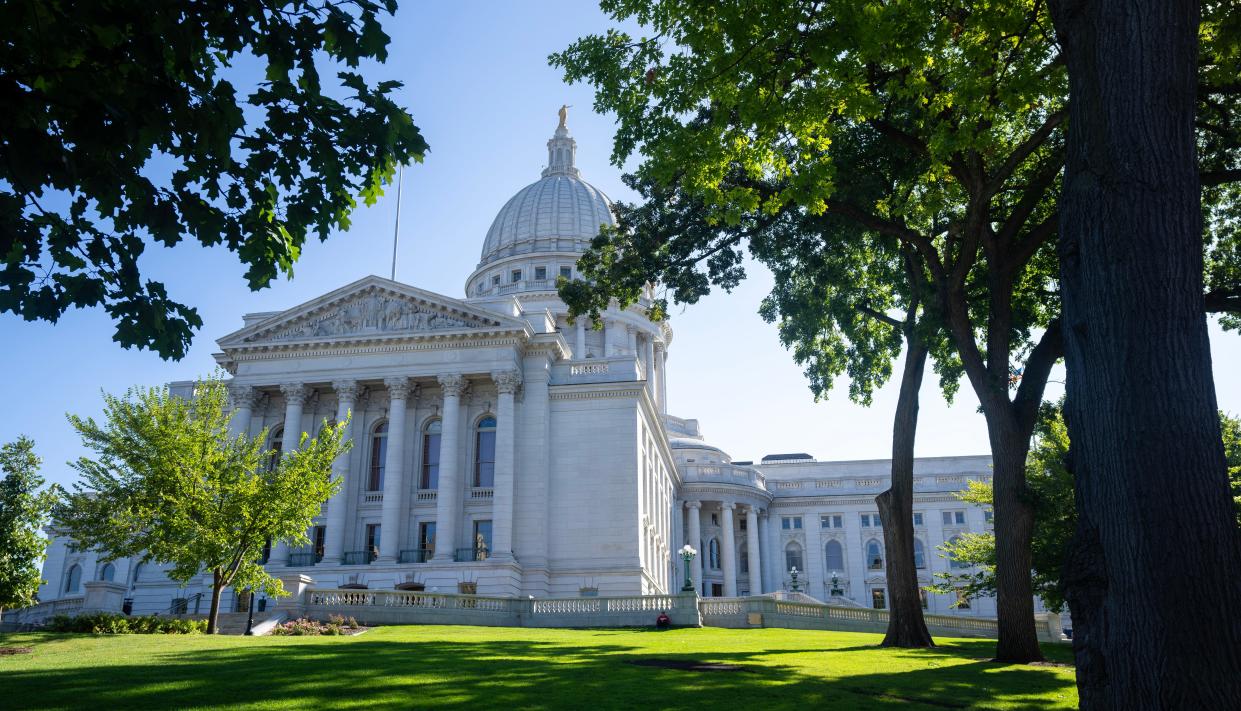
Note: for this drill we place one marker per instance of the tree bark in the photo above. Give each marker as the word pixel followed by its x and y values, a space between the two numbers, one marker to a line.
pixel 217 587
pixel 1152 580
pixel 906 626
pixel 1014 529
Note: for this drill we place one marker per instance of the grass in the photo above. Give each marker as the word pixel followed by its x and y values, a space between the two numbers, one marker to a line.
pixel 495 667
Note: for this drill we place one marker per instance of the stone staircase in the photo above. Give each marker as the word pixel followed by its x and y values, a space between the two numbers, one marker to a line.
pixel 235 622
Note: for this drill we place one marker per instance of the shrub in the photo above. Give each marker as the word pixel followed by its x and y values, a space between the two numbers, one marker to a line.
pixel 302 627
pixel 112 623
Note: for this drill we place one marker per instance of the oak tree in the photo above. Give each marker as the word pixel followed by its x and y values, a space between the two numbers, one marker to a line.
pixel 25 508
pixel 131 124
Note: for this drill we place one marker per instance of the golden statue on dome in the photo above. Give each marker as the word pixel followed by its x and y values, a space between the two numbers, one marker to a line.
pixel 564 114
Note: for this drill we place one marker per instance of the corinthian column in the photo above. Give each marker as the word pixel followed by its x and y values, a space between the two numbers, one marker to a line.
pixel 243 406
pixel 752 550
pixel 448 500
pixel 729 550
pixel 507 382
pixel 695 539
pixel 393 506
pixel 334 538
pixel 661 405
pixel 295 395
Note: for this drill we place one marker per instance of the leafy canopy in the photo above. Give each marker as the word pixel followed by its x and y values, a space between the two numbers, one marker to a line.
pixel 24 511
pixel 170 483
pixel 122 128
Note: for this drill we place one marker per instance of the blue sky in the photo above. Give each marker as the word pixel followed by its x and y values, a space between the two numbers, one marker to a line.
pixel 477 82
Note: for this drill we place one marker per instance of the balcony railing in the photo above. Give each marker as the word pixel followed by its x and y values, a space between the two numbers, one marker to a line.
pixel 359 557
pixel 304 558
pixel 417 555
pixel 466 555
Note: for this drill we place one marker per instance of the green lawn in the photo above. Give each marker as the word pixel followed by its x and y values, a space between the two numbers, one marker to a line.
pixel 482 667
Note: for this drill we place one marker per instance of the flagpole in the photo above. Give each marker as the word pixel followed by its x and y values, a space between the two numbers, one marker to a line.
pixel 396 230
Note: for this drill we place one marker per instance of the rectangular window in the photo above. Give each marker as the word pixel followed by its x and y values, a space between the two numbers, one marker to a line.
pixel 379 453
pixel 791 523
pixel 482 539
pixel 959 517
pixel 426 540
pixel 989 516
pixel 430 460
pixel 318 536
pixel 871 521
pixel 516 276
pixel 741 523
pixel 495 279
pixel 372 540
pixel 917 519
pixel 831 521
pixel 922 596
pixel 566 272
pixel 954 518
pixel 540 273
pixel 715 519
pixel 485 463
pixel 963 601
pixel 878 599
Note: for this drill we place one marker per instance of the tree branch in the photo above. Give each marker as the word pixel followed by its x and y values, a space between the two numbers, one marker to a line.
pixel 1211 178
pixel 1023 151
pixel 1029 396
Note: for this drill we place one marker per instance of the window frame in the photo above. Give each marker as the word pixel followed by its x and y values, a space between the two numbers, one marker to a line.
pixel 484 466
pixel 429 471
pixel 377 464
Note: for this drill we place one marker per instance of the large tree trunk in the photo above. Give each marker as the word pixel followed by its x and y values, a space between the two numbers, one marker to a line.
pixel 1014 529
pixel 1153 581
pixel 216 588
pixel 906 627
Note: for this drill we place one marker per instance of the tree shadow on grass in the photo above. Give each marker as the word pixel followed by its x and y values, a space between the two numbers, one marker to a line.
pixel 378 673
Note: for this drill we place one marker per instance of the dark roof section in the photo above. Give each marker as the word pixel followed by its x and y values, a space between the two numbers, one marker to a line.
pixel 743 464
pixel 795 457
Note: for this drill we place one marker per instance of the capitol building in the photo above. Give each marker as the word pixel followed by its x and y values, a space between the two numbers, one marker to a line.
pixel 500 449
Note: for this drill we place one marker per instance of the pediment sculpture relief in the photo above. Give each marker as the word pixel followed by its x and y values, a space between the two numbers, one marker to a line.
pixel 365 315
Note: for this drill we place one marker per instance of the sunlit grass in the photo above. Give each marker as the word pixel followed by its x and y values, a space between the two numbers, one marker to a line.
pixel 492 667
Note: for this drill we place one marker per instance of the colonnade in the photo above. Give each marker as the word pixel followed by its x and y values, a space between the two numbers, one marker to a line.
pixel 653 353
pixel 402 391
pixel 755 519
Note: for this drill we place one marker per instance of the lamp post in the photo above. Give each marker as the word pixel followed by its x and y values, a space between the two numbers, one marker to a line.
pixel 250 614
pixel 836 591
pixel 687 555
pixel 793 572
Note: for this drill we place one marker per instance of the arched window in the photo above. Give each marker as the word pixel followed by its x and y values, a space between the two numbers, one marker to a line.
pixel 276 447
pixel 73 579
pixel 952 561
pixel 793 558
pixel 919 554
pixel 108 572
pixel 430 456
pixel 835 557
pixel 485 453
pixel 713 554
pixel 379 453
pixel 874 555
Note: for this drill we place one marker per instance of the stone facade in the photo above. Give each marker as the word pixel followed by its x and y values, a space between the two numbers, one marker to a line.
pixel 502 450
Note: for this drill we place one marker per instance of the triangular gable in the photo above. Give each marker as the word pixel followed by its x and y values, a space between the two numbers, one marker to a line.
pixel 372 307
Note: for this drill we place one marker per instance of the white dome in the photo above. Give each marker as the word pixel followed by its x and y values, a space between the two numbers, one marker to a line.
pixel 560 213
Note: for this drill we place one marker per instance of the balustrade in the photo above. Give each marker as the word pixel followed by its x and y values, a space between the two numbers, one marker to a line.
pixel 359 557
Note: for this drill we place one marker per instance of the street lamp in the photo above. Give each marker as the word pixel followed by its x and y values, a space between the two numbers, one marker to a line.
pixel 836 591
pixel 250 615
pixel 687 555
pixel 793 573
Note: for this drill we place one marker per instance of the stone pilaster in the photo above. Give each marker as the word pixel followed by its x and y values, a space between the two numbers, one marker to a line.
pixel 694 516
pixel 507 383
pixel 579 345
pixel 399 390
pixel 334 537
pixel 448 500
pixel 295 395
pixel 244 398
pixel 752 550
pixel 728 547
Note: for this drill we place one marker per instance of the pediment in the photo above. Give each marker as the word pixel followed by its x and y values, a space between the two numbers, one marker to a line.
pixel 369 309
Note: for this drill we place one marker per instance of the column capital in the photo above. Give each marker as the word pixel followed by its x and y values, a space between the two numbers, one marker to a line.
pixel 399 388
pixel 693 504
pixel 507 381
pixel 346 390
pixel 454 384
pixel 728 505
pixel 295 393
pixel 660 348
pixel 243 395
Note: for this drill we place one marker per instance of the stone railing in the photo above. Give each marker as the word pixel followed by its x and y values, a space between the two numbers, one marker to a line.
pixel 373 497
pixel 395 607
pixel 415 607
pixel 37 614
pixel 722 473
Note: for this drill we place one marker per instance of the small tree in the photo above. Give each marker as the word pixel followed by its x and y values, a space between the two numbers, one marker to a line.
pixel 170 483
pixel 24 510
